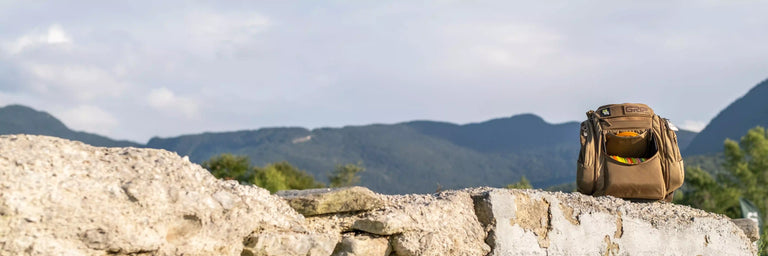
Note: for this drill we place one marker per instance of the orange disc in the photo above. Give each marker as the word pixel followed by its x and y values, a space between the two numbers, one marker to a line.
pixel 627 134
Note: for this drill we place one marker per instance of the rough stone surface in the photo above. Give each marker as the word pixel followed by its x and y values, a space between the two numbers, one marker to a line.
pixel 60 197
pixel 363 245
pixel 337 200
pixel 531 222
pixel 440 224
pixel 289 244
pixel 750 228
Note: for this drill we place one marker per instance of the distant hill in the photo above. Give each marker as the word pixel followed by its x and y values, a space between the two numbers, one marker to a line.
pixel 684 138
pixel 409 157
pixel 412 157
pixel 733 122
pixel 521 133
pixel 15 119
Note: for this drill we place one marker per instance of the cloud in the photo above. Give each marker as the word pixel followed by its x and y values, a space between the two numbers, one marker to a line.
pixel 83 83
pixel 165 100
pixel 226 26
pixel 48 64
pixel 477 46
pixel 331 64
pixel 516 46
pixel 55 35
pixel 222 33
pixel 691 125
pixel 89 118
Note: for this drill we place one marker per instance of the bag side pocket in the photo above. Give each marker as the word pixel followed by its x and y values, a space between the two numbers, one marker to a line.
pixel 675 165
pixel 676 175
pixel 585 165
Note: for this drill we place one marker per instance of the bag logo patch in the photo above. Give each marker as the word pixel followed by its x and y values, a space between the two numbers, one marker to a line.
pixel 605 112
pixel 634 109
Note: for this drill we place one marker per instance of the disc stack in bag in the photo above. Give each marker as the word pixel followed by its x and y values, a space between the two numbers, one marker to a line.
pixel 628 147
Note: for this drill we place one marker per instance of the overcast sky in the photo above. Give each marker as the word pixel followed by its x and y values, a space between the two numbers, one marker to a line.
pixel 138 69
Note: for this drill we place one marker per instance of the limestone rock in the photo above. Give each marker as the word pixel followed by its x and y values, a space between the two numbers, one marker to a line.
pixel 750 228
pixel 323 243
pixel 289 244
pixel 531 222
pixel 441 224
pixel 331 200
pixel 363 245
pixel 267 243
pixel 59 197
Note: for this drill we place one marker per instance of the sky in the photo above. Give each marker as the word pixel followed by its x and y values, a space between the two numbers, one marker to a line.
pixel 139 69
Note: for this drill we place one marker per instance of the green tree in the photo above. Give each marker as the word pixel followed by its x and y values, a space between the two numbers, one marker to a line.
pixel 746 173
pixel 706 193
pixel 345 175
pixel 232 167
pixel 282 176
pixel 273 177
pixel 748 165
pixel 524 183
pixel 745 176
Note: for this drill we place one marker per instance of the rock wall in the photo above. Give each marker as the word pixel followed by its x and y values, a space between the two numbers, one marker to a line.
pixel 542 223
pixel 59 197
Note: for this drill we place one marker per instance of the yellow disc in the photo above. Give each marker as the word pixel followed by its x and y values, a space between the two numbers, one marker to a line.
pixel 627 134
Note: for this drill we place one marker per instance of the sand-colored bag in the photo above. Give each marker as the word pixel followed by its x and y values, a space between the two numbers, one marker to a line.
pixel 627 151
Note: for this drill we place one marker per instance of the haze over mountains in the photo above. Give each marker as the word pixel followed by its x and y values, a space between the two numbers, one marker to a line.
pixel 416 156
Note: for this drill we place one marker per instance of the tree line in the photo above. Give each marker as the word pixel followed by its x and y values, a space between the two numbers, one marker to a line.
pixel 278 176
pixel 744 176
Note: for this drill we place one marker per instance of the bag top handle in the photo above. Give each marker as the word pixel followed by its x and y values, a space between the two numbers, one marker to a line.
pixel 623 110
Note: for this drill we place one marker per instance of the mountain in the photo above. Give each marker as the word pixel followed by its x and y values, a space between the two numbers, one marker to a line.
pixel 519 133
pixel 411 157
pixel 733 122
pixel 684 138
pixel 15 119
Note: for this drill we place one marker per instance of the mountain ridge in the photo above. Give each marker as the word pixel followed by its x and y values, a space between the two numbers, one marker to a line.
pixel 404 156
pixel 733 122
pixel 419 156
pixel 22 119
